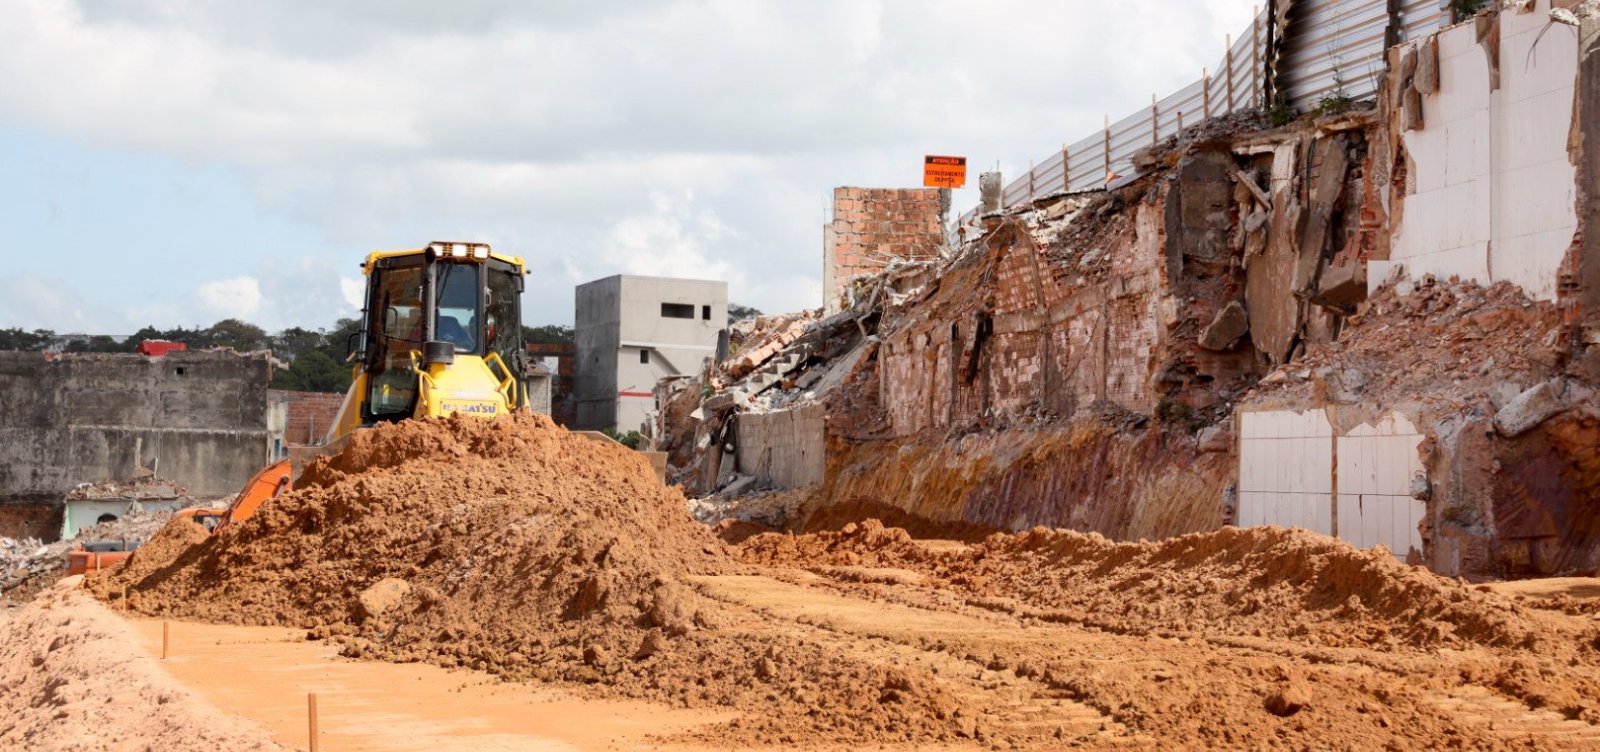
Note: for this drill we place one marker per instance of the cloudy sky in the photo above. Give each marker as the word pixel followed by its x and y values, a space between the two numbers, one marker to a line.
pixel 174 162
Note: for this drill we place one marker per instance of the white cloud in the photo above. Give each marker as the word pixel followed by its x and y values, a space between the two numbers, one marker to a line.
pixel 352 291
pixel 687 137
pixel 232 298
pixel 29 301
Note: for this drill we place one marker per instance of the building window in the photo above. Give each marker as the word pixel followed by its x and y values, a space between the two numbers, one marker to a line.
pixel 644 356
pixel 677 310
pixel 705 312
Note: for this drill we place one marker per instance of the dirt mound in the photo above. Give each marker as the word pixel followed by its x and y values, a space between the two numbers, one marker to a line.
pixel 1255 582
pixel 514 537
pixel 64 659
pixel 515 547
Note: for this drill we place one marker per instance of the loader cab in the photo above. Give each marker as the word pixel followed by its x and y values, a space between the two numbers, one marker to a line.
pixel 424 309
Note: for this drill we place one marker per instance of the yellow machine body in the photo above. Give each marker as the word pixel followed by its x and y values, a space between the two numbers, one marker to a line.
pixel 434 351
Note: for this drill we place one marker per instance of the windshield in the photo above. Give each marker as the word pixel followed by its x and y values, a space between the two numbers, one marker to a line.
pixel 457 300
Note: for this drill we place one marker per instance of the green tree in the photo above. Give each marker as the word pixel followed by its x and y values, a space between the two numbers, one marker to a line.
pixel 312 372
pixel 236 334
pixel 19 339
pixel 548 334
pixel 98 343
pixel 295 341
pixel 336 343
pixel 737 313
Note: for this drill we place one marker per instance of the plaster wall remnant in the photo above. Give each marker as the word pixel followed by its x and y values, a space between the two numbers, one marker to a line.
pixel 1491 188
pixel 197 417
pixel 784 449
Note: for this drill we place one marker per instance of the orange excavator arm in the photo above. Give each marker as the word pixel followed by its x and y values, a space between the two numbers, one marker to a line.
pixel 265 484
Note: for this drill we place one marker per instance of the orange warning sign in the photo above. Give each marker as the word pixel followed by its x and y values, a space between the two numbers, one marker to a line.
pixel 944 172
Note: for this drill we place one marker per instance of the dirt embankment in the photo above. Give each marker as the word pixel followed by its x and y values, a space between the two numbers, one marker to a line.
pixel 1257 582
pixel 72 682
pixel 515 547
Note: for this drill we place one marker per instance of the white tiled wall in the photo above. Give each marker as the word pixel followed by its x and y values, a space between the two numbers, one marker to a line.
pixel 1286 470
pixel 1287 477
pixel 1376 464
pixel 1494 183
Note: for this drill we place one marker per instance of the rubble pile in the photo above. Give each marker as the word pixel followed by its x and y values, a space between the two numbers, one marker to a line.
pixel 145 486
pixel 514 547
pixel 1442 347
pixel 26 565
pixel 780 362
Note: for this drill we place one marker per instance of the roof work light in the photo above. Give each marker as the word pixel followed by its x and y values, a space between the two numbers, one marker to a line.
pixel 459 250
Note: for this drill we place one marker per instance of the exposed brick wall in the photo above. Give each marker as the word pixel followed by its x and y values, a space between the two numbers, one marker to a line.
pixel 310 415
pixel 24 519
pixel 873 225
pixel 1090 317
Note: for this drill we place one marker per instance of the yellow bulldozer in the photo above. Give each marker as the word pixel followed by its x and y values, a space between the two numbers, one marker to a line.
pixel 441 334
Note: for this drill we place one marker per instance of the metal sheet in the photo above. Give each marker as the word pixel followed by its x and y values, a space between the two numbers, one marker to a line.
pixel 1328 47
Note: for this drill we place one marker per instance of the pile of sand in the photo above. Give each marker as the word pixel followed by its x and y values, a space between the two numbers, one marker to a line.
pixel 1254 582
pixel 515 547
pixel 72 682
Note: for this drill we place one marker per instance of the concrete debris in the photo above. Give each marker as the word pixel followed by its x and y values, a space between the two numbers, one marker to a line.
pixel 28 566
pixel 1226 328
pixel 1530 408
pixel 780 364
pixel 25 564
pixel 145 485
pixel 771 509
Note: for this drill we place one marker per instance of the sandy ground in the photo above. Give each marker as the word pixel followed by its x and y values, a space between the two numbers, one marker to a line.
pixel 516 550
pixel 265 673
pixel 72 678
pixel 241 687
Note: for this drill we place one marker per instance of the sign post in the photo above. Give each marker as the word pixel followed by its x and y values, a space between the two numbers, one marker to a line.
pixel 944 172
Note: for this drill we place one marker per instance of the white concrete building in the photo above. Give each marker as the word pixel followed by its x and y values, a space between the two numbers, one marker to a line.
pixel 631 332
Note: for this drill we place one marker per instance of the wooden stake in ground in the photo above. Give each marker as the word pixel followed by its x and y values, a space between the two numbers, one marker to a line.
pixel 165 633
pixel 311 718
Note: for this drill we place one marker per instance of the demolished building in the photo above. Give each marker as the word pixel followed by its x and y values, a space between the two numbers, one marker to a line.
pixel 200 418
pixel 1377 322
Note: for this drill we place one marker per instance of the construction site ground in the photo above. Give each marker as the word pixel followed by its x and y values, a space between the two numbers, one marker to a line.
pixel 503 585
pixel 262 675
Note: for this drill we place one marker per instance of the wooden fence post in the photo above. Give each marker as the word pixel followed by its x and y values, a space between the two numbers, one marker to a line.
pixel 1031 192
pixel 1108 149
pixel 1256 93
pixel 1155 122
pixel 1205 87
pixel 1066 168
pixel 311 718
pixel 1228 74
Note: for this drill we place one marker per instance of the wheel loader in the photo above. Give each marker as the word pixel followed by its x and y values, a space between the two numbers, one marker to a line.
pixel 441 334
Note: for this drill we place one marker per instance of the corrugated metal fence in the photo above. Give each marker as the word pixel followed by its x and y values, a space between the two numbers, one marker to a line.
pixel 1326 48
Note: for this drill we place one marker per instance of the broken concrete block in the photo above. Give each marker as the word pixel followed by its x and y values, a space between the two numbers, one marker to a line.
pixel 1426 79
pixel 1230 323
pixel 1343 282
pixel 1529 409
pixel 1411 111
